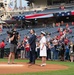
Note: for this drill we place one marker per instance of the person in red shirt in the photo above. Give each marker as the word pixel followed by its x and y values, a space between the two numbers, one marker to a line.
pixel 58 29
pixel 58 37
pixel 66 41
pixel 25 38
pixel 2 46
pixel 72 23
pixel 70 31
pixel 60 33
pixel 57 24
pixel 27 47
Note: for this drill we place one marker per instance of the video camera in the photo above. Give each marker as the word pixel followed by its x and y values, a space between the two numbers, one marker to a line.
pixel 12 32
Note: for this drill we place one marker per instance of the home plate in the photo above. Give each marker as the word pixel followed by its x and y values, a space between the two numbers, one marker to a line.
pixel 11 65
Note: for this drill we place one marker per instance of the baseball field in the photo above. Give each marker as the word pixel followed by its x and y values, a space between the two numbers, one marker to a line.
pixel 22 68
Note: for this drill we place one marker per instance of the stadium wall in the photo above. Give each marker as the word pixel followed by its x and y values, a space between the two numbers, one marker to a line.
pixel 40 2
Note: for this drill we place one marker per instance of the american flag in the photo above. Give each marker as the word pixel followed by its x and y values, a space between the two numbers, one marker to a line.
pixel 41 15
pixel 68 13
pixel 72 12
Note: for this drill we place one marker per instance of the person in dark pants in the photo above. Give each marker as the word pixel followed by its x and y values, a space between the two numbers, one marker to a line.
pixel 32 42
pixel 48 51
pixel 2 45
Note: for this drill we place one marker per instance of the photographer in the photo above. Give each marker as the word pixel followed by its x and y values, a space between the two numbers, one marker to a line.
pixel 13 40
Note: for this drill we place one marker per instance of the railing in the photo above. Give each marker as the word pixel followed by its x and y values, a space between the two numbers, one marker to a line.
pixel 6 52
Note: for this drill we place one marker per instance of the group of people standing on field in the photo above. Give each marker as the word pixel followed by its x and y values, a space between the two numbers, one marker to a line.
pixel 59 47
pixel 29 46
pixel 42 46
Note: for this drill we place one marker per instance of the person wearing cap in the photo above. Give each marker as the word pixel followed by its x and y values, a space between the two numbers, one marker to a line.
pixel 43 51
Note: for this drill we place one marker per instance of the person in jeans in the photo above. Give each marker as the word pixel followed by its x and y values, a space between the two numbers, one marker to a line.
pixel 71 47
pixel 48 51
pixel 27 49
pixel 55 43
pixel 22 50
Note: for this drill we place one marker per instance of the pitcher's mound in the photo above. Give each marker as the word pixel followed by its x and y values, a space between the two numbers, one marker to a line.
pixel 23 68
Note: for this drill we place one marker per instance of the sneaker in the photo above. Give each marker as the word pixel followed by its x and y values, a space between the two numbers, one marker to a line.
pixel 8 62
pixel 43 64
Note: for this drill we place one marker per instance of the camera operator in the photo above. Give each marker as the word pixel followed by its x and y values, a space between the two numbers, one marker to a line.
pixel 13 40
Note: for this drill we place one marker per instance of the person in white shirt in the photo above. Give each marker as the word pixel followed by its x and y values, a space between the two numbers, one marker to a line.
pixel 43 51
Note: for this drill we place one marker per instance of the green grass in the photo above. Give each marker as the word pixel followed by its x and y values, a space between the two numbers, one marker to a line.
pixel 69 71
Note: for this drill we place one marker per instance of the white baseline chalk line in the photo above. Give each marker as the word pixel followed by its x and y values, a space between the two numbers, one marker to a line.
pixel 11 65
